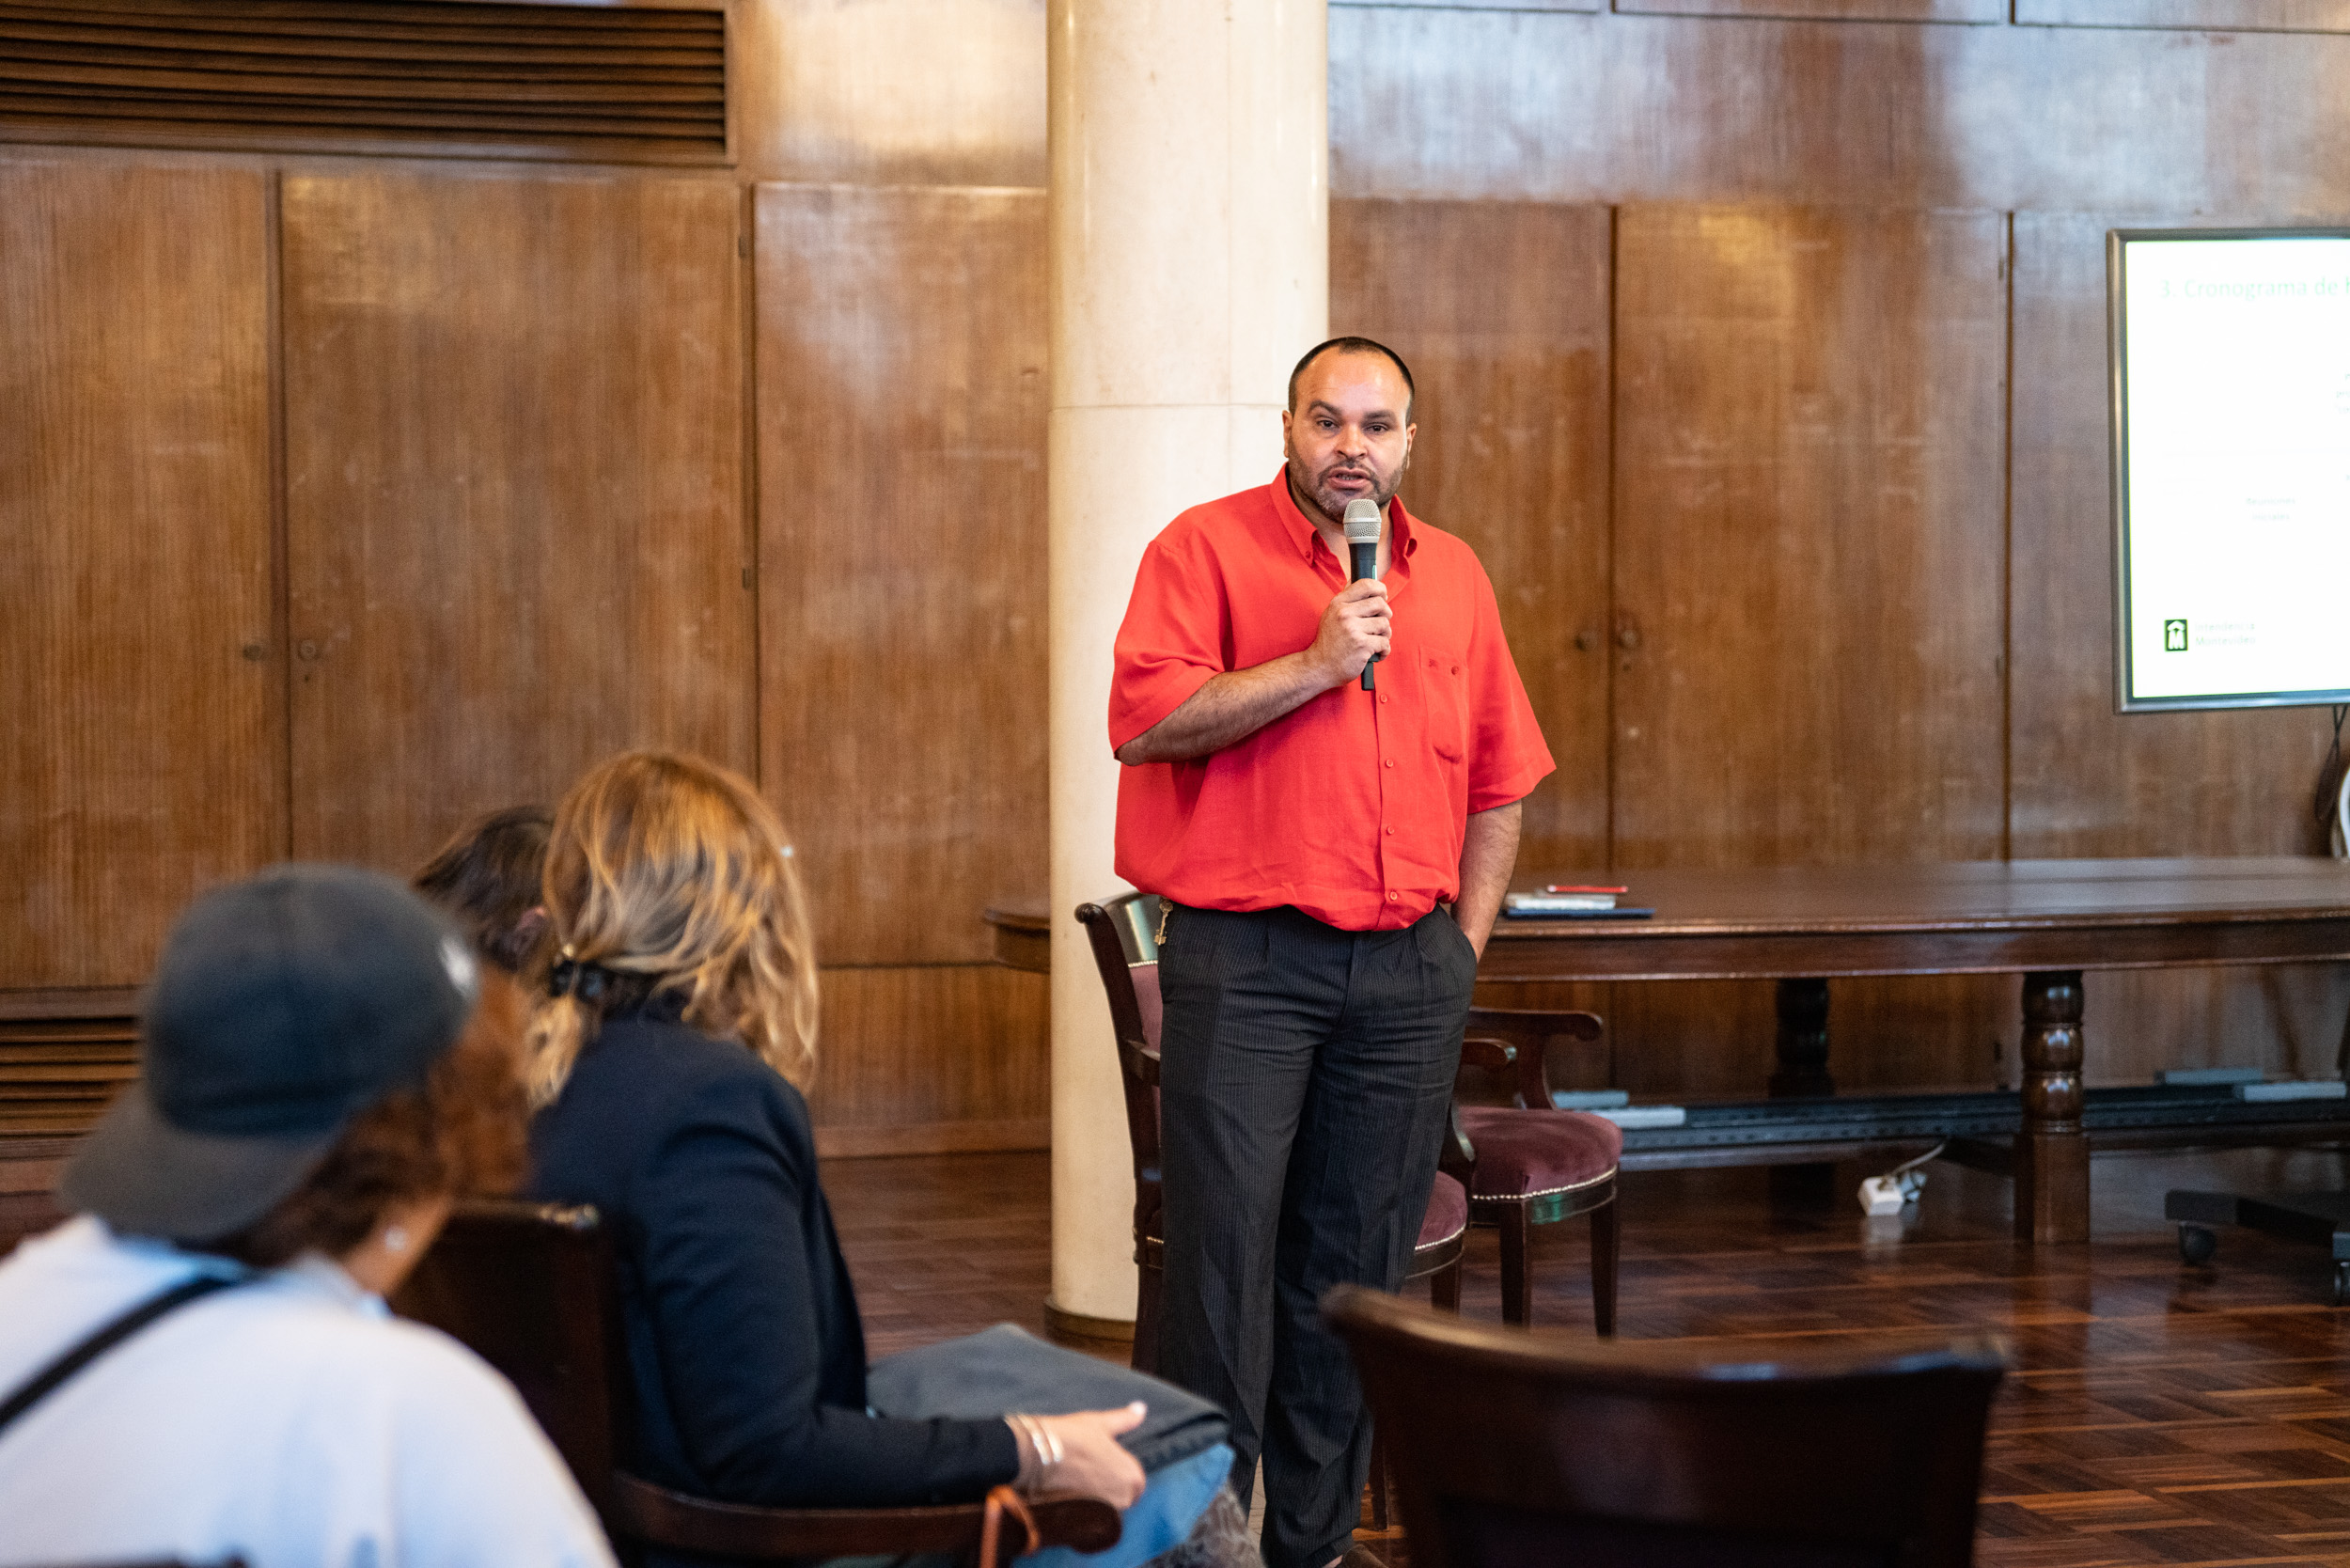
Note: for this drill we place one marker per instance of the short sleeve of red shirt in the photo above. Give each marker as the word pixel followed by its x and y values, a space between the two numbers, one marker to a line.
pixel 1172 640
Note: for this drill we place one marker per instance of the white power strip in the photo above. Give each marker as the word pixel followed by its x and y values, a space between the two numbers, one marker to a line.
pixel 1899 1187
pixel 1890 1195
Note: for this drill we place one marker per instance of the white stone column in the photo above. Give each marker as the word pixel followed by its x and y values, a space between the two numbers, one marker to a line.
pixel 1190 267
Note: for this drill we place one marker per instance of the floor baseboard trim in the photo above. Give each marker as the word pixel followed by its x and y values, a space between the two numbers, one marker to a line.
pixel 935 1138
pixel 1064 1326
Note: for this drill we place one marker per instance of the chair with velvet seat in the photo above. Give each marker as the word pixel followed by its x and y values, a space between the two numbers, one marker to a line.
pixel 1125 951
pixel 1526 1163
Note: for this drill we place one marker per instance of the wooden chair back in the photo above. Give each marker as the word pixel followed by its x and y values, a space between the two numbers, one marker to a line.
pixel 1510 1447
pixel 1121 933
pixel 530 1288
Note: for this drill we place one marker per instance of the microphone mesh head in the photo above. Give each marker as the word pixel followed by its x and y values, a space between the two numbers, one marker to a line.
pixel 1362 523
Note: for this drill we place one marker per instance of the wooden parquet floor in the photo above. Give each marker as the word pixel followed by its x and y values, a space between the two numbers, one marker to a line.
pixel 2158 1414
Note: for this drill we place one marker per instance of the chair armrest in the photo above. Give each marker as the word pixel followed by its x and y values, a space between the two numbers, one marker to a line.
pixel 673 1521
pixel 1458 1157
pixel 1493 1056
pixel 1527 1033
pixel 1518 1063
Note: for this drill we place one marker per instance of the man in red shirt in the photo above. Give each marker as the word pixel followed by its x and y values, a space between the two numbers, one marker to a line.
pixel 1308 837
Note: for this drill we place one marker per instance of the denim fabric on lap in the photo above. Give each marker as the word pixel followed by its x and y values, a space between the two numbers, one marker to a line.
pixel 1160 1518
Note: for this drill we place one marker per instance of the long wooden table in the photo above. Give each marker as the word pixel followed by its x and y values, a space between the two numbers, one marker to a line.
pixel 2048 919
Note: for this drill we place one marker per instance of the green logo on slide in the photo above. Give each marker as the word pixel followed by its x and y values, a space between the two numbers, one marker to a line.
pixel 2174 637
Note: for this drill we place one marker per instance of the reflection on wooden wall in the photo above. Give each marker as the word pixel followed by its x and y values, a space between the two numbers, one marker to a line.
pixel 901 498
pixel 1807 541
pixel 1761 346
pixel 139 685
pixel 514 492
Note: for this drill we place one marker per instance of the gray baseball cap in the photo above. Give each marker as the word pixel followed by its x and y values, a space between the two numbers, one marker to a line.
pixel 281 1007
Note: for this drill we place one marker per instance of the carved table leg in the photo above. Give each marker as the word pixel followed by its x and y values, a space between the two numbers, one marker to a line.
pixel 2051 1156
pixel 1802 1073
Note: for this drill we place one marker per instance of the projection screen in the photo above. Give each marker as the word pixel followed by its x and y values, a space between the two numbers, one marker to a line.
pixel 2230 405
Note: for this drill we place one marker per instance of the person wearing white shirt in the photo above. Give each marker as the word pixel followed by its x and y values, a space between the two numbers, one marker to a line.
pixel 324 1075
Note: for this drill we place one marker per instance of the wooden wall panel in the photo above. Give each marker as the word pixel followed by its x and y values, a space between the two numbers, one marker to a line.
pixel 901 409
pixel 1469 104
pixel 1829 10
pixel 2089 781
pixel 932 1060
pixel 889 92
pixel 2316 16
pixel 1492 5
pixel 1809 427
pixel 515 445
pixel 143 687
pixel 1501 310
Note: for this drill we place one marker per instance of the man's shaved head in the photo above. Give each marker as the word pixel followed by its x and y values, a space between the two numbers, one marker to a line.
pixel 1356 345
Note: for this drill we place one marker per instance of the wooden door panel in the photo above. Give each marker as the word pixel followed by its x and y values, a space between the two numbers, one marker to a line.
pixel 1501 310
pixel 143 693
pixel 1808 536
pixel 1830 10
pixel 2309 16
pixel 514 489
pixel 1809 549
pixel 934 1059
pixel 902 412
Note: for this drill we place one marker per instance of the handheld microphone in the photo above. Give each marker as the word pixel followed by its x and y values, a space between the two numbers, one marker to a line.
pixel 1362 545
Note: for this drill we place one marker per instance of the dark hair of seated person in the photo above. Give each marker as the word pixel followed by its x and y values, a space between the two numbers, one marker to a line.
pixel 488 876
pixel 463 1133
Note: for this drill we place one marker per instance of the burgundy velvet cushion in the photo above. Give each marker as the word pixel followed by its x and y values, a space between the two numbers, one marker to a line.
pixel 1448 1212
pixel 1521 1153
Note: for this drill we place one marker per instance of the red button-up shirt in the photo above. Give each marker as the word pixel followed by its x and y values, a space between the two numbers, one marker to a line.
pixel 1353 807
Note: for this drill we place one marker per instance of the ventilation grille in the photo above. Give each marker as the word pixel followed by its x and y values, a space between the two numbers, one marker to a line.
pixel 448 79
pixel 58 1074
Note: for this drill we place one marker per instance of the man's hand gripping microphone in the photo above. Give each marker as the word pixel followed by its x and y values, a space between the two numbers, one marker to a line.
pixel 1362 547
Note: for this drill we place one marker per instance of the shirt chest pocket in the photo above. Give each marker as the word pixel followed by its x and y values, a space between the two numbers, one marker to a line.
pixel 1444 679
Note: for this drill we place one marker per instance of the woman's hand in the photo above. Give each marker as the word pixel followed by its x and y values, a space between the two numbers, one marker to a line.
pixel 1091 1460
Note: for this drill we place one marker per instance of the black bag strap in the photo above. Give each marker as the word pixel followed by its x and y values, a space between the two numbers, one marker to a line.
pixel 108 1335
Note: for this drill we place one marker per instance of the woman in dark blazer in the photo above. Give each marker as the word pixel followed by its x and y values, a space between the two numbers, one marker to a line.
pixel 682 1016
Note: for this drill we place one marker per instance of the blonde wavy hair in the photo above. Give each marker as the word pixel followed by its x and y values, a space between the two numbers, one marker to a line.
pixel 670 871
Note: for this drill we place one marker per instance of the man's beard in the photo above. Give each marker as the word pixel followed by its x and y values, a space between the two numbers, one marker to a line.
pixel 1333 500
